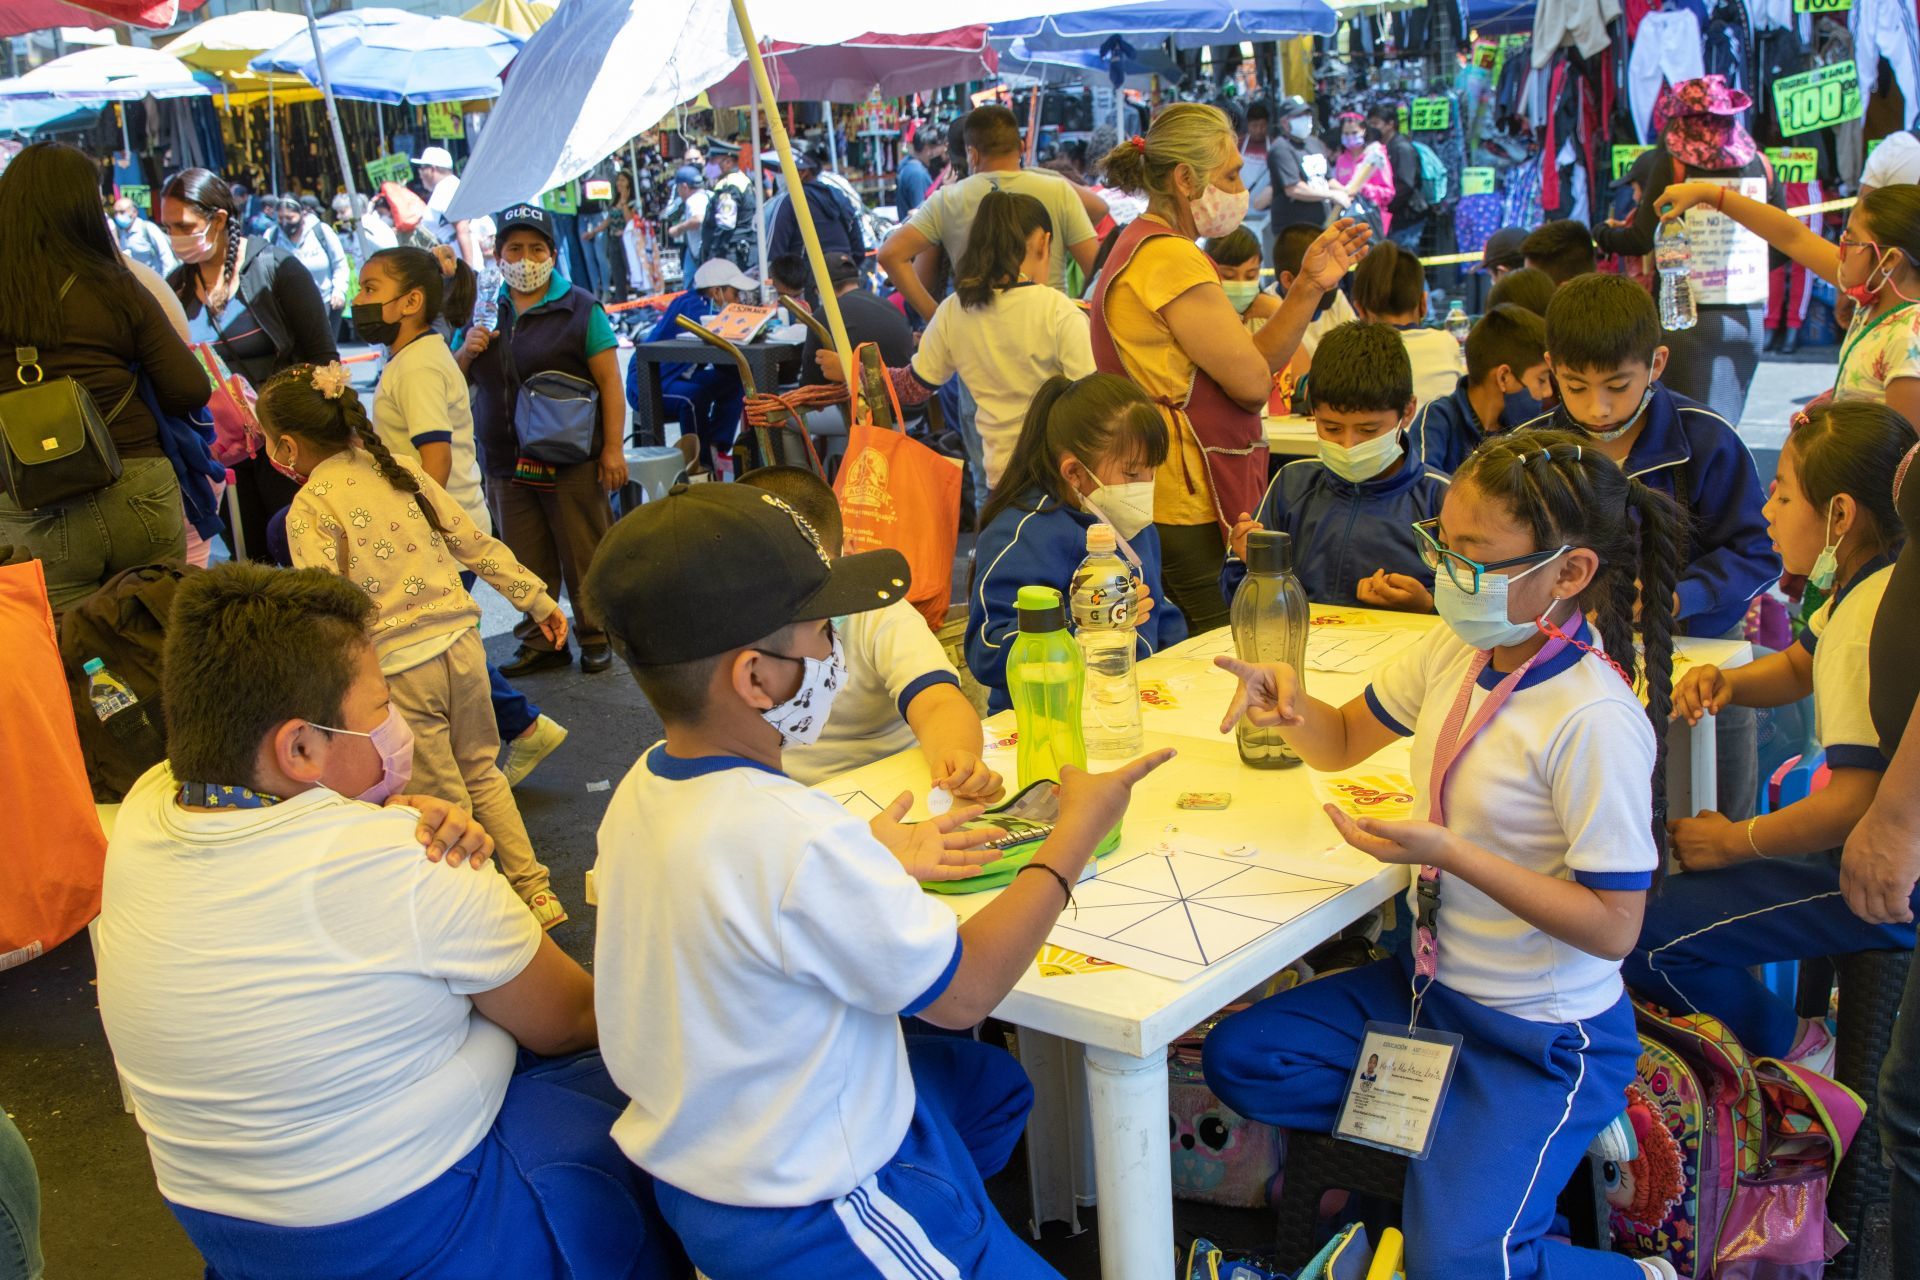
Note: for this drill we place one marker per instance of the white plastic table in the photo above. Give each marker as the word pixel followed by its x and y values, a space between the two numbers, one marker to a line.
pixel 1291 436
pixel 1100 1051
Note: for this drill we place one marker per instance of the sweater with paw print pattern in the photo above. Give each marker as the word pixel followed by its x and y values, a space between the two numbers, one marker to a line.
pixel 349 520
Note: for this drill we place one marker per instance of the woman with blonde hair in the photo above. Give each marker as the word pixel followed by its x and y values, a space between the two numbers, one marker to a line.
pixel 1161 318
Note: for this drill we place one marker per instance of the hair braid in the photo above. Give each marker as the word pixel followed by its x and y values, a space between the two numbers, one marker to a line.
pixel 354 415
pixel 1662 535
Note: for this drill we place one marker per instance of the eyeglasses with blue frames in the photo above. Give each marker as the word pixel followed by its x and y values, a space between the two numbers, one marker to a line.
pixel 1466 573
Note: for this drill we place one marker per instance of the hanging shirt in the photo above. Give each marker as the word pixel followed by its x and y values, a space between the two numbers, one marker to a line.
pixel 1878 351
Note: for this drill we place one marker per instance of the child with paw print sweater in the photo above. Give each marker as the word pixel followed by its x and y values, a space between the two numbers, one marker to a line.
pixel 386 526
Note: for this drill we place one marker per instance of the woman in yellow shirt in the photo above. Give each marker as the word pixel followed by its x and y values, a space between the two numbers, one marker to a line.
pixel 1161 318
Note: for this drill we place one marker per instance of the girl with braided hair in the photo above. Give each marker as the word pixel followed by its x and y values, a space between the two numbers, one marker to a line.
pixel 255 305
pixel 1537 769
pixel 1768 889
pixel 384 524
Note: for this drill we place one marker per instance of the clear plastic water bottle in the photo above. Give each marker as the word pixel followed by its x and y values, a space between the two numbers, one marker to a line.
pixel 1673 256
pixel 119 709
pixel 1270 621
pixel 486 306
pixel 1106 596
pixel 1457 323
pixel 1045 676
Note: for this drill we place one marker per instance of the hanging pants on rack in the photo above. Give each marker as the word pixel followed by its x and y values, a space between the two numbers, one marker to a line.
pixel 1790 288
pixel 1667 48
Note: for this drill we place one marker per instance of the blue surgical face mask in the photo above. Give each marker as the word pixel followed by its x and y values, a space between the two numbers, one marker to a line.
pixel 1480 619
pixel 1827 566
pixel 1521 406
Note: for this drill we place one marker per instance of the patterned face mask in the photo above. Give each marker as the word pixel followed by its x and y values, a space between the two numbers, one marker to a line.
pixel 801 718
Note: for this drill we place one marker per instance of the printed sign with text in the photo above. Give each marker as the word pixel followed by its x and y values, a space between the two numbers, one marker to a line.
pixel 1623 158
pixel 1818 99
pixel 1794 164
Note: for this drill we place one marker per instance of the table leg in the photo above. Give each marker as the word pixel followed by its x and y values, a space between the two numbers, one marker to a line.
pixel 1132 1170
pixel 1704 766
pixel 655 426
pixel 1053 1168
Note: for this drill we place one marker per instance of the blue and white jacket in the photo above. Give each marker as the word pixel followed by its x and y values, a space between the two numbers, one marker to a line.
pixel 1038 542
pixel 1446 430
pixel 1729 558
pixel 1342 531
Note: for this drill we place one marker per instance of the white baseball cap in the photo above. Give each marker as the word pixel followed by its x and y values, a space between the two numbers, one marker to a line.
pixel 719 272
pixel 436 158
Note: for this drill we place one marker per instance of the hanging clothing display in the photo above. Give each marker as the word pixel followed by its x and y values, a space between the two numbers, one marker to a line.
pixel 1728 45
pixel 1833 42
pixel 1580 23
pixel 1790 285
pixel 1886 29
pixel 1667 51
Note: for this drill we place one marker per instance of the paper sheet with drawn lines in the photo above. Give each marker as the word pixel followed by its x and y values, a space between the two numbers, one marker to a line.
pixel 1173 912
pixel 1348 650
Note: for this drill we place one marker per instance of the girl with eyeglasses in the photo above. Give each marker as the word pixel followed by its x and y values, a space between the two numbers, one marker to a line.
pixel 1876 264
pixel 1538 771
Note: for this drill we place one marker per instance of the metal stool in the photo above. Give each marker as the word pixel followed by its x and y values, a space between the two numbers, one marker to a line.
pixel 1317 1164
pixel 1871 984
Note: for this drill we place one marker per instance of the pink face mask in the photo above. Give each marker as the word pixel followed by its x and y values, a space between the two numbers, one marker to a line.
pixel 394 741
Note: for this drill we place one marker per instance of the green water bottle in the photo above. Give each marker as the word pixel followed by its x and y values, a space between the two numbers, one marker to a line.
pixel 1046 676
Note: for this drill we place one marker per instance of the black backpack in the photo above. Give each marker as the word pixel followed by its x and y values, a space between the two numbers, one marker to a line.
pixel 124 624
pixel 735 243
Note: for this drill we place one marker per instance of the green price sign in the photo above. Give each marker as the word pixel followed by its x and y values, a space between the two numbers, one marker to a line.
pixel 562 199
pixel 142 197
pixel 390 169
pixel 1486 55
pixel 1477 181
pixel 1794 164
pixel 1430 114
pixel 1404 126
pixel 1623 158
pixel 1819 98
pixel 444 120
pixel 1821 6
pixel 1514 40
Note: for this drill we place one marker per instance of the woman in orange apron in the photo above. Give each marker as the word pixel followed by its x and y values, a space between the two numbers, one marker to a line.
pixel 1161 319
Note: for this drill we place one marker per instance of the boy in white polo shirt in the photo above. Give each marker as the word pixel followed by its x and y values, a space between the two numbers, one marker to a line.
pixel 901 689
pixel 758 944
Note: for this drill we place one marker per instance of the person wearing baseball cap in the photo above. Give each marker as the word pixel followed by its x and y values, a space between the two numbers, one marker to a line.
pixel 552 514
pixel 690 202
pixel 1502 252
pixel 434 166
pixel 759 943
pixel 703 395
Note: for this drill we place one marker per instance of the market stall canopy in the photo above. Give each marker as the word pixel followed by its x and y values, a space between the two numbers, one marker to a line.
pixel 17 17
pixel 1190 25
pixel 1076 66
pixel 114 73
pixel 27 118
pixel 521 17
pixel 614 70
pixel 225 45
pixel 849 71
pixel 392 56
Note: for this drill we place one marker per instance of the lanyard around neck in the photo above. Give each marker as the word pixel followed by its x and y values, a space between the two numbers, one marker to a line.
pixel 1871 325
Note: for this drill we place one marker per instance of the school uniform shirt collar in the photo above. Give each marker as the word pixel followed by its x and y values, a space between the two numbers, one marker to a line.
pixel 662 763
pixel 1546 669
pixel 1661 442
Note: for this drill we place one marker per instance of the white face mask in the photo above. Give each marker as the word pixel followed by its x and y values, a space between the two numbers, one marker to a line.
pixel 1481 619
pixel 1219 213
pixel 1300 127
pixel 1826 566
pixel 1363 461
pixel 529 275
pixel 801 718
pixel 1127 507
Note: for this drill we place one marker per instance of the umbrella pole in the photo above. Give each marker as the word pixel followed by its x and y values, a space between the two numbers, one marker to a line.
pixel 753 167
pixel 802 211
pixel 333 108
pixel 833 145
pixel 273 141
pixel 126 140
pixel 380 124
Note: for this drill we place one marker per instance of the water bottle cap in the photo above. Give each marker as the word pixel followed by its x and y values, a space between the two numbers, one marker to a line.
pixel 93 666
pixel 1100 539
pixel 1269 551
pixel 1040 609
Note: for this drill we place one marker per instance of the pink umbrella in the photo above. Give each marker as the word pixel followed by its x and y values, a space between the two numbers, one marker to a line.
pixel 847 72
pixel 17 17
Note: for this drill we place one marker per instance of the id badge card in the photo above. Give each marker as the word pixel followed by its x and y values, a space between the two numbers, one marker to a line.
pixel 1399 1083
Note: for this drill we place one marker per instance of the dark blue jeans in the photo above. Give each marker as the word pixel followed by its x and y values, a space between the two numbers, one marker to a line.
pixel 1900 1119
pixel 19 1207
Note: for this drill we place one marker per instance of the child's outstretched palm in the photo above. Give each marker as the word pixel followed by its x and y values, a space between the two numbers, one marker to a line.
pixel 1339 248
pixel 936 849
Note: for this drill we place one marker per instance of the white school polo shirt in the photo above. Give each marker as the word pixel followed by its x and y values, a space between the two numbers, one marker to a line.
pixel 1839 635
pixel 756 948
pixel 422 400
pixel 892 658
pixel 286 993
pixel 1560 782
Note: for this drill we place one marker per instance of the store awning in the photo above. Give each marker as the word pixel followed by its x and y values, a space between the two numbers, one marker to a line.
pixel 392 56
pixel 897 65
pixel 521 17
pixel 225 45
pixel 113 73
pixel 1189 25
pixel 18 17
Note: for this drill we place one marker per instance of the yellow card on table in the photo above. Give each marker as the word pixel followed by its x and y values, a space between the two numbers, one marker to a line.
pixel 1058 962
pixel 1386 794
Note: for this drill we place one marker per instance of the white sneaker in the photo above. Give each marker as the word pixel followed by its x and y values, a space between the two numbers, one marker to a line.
pixel 546 909
pixel 525 752
pixel 1658 1269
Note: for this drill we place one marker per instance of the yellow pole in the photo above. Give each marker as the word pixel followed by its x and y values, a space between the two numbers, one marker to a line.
pixel 829 302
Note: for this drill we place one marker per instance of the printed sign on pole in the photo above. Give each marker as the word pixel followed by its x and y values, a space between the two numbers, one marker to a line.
pixel 444 120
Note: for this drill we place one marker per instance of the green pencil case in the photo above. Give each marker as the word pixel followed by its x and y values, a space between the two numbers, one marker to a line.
pixel 1028 819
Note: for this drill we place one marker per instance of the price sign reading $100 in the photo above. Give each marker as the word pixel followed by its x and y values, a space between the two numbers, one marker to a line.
pixel 1817 99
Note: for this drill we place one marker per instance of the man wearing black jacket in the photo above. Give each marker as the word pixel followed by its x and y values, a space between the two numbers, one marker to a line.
pixel 1409 208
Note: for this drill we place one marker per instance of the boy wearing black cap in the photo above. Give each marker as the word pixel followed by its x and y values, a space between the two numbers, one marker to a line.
pixel 760 943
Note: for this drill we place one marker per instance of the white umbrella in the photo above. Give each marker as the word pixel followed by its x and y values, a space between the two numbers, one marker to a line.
pixel 114 73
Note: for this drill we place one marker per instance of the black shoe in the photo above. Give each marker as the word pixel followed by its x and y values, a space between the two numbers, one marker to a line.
pixel 1773 339
pixel 529 660
pixel 1790 343
pixel 595 657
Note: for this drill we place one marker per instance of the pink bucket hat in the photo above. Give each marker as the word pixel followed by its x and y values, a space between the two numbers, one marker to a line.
pixel 1699 121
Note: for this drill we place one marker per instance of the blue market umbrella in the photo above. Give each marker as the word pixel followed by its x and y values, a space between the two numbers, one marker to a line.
pixel 27 118
pixel 1189 25
pixel 392 56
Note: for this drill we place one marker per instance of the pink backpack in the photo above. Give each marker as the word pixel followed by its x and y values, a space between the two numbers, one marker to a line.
pixel 1759 1141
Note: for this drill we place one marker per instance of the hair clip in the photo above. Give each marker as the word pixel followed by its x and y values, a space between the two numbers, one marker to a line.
pixel 1139 143
pixel 329 379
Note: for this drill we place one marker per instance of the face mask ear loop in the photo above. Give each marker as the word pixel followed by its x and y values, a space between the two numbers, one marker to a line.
pixel 1126 548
